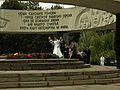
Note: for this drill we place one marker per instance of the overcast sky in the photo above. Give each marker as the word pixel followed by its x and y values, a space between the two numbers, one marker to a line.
pixel 46 5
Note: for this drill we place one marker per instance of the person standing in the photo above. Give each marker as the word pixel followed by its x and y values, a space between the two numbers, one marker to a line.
pixel 50 45
pixel 87 55
pixel 62 45
pixel 74 51
pixel 107 60
pixel 102 60
pixel 66 51
pixel 56 49
pixel 70 51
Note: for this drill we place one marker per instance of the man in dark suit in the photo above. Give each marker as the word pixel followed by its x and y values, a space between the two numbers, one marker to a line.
pixel 87 56
pixel 50 45
pixel 62 45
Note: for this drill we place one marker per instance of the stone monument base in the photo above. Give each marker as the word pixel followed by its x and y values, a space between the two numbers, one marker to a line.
pixel 41 64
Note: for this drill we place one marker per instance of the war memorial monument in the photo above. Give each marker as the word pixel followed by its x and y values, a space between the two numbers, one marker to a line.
pixel 91 15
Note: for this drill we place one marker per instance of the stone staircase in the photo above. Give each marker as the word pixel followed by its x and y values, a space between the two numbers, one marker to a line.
pixel 41 64
pixel 48 78
pixel 27 73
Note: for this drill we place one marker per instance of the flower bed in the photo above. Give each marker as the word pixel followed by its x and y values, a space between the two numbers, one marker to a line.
pixel 31 56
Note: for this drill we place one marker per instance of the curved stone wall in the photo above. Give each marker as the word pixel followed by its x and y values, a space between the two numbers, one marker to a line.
pixel 92 18
pixel 73 19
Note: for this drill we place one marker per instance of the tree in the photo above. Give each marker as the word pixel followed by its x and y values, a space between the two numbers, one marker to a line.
pixel 16 5
pixel 11 5
pixel 99 44
pixel 57 6
pixel 20 43
pixel 31 5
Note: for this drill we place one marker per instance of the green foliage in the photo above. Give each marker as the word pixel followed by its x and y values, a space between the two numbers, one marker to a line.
pixel 95 60
pixel 30 5
pixel 8 4
pixel 57 6
pixel 36 55
pixel 21 56
pixel 24 43
pixel 50 55
pixel 16 5
pixel 99 44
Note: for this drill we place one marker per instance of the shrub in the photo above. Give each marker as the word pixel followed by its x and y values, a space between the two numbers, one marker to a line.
pixel 95 60
pixel 19 56
pixel 10 56
pixel 44 55
pixel 50 55
pixel 36 55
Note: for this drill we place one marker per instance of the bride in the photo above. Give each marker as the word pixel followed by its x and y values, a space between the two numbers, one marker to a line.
pixel 56 49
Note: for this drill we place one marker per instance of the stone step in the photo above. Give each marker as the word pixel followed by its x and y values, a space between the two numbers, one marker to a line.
pixel 40 77
pixel 40 64
pixel 58 83
pixel 94 70
pixel 64 72
pixel 52 66
pixel 46 78
pixel 37 60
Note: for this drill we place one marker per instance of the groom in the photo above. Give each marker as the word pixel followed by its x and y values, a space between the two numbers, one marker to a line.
pixel 62 45
pixel 50 45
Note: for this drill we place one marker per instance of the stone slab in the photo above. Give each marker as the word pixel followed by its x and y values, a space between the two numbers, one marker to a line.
pixel 16 68
pixel 54 74
pixel 73 73
pixel 115 75
pixel 84 82
pixel 116 80
pixel 4 67
pixel 80 77
pixel 9 79
pixel 32 79
pixel 7 75
pixel 57 78
pixel 60 83
pixel 31 75
pixel 103 81
pixel 9 85
pixel 90 73
pixel 33 84
pixel 97 76
pixel 108 71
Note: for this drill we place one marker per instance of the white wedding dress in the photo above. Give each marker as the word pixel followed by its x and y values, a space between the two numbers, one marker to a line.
pixel 56 49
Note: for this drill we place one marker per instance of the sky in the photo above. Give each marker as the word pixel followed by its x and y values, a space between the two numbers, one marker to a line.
pixel 46 5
